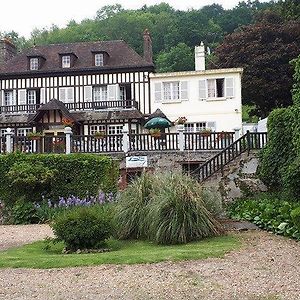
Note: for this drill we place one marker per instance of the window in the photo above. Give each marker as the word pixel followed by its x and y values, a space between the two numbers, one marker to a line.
pixel 31 97
pixel 172 91
pixel 100 93
pixel 216 88
pixel 197 127
pixel 66 94
pixel 66 61
pixel 23 131
pixel 9 98
pixel 34 63
pixel 123 93
pixel 99 59
pixel 96 128
pixel 115 129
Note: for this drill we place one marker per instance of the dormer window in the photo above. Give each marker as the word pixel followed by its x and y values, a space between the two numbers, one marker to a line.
pixel 66 61
pixel 34 63
pixel 99 60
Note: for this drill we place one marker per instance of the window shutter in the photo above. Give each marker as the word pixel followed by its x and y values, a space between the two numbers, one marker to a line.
pixel 22 97
pixel 62 94
pixel 184 90
pixel 88 93
pixel 14 98
pixel 113 92
pixel 157 92
pixel 43 92
pixel 2 98
pixel 229 87
pixel 202 89
pixel 211 125
pixel 70 95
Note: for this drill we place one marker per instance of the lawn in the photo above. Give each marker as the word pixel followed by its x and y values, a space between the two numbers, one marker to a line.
pixel 126 252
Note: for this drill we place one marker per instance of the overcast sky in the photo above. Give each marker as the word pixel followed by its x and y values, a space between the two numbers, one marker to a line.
pixel 23 16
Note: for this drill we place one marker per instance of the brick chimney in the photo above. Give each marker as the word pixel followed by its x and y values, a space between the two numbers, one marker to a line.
pixel 200 57
pixel 147 46
pixel 7 50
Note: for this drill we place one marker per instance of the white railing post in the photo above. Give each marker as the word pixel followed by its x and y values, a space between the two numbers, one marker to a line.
pixel 8 140
pixel 125 144
pixel 236 133
pixel 68 133
pixel 180 130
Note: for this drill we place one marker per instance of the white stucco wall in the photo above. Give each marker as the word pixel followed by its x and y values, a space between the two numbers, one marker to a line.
pixel 225 112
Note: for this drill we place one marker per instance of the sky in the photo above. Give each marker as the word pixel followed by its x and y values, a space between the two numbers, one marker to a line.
pixel 23 16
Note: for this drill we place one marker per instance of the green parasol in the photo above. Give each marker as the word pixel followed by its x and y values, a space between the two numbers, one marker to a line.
pixel 158 122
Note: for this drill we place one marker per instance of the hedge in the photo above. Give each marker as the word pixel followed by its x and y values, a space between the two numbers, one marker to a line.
pixel 75 174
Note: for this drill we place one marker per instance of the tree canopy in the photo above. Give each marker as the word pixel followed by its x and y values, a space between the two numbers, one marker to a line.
pixel 264 50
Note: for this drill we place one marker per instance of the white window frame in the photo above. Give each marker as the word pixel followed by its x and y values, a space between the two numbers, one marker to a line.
pixel 115 129
pixel 171 91
pixel 195 126
pixel 100 93
pixel 66 61
pixel 66 94
pixel 123 92
pixel 99 59
pixel 34 63
pixel 8 98
pixel 97 128
pixel 31 97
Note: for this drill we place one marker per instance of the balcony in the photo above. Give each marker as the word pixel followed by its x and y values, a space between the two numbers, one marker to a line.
pixel 78 106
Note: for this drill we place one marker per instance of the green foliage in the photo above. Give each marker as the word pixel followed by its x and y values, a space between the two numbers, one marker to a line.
pixel 24 213
pixel 264 50
pixel 165 208
pixel 279 150
pixel 83 227
pixel 271 213
pixel 248 114
pixel 291 178
pixel 76 174
pixel 132 207
pixel 179 58
pixel 295 214
pixel 30 179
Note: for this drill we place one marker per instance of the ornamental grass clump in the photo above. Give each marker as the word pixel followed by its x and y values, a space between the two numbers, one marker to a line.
pixel 165 208
pixel 131 208
pixel 178 213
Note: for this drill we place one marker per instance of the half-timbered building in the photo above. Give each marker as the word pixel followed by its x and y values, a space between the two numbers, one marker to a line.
pixel 95 86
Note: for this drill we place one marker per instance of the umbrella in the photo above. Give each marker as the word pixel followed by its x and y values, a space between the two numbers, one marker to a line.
pixel 158 122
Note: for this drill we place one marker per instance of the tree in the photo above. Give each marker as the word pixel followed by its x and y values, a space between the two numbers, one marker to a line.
pixel 179 58
pixel 264 50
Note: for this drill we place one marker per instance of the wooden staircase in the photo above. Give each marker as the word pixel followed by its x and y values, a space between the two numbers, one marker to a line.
pixel 246 143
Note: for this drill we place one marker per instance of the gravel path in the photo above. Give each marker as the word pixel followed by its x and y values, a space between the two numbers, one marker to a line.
pixel 266 268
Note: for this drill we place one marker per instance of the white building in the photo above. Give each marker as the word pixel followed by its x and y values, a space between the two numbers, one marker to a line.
pixel 207 98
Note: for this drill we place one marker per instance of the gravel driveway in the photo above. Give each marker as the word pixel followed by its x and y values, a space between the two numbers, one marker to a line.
pixel 266 268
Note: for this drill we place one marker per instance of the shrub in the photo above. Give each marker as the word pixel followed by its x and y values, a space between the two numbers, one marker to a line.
pixel 295 214
pixel 75 174
pixel 165 208
pixel 24 213
pixel 83 227
pixel 269 212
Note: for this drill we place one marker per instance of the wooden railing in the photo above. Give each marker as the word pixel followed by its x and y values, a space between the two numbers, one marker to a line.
pixel 146 142
pixel 32 108
pixel 245 143
pixel 208 141
pixel 91 144
pixel 101 105
pixel 44 144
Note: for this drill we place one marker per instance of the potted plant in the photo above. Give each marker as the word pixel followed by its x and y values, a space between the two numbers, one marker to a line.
pixel 155 132
pixel 205 132
pixel 67 122
pixel 99 135
pixel 181 121
pixel 33 136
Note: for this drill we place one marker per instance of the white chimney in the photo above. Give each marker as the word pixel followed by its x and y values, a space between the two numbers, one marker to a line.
pixel 200 57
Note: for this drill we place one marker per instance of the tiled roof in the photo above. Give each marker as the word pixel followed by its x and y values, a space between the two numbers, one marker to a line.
pixel 120 56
